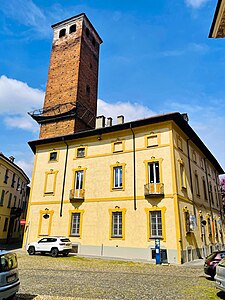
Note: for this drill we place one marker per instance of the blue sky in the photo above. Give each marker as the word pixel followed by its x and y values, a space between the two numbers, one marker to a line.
pixel 156 57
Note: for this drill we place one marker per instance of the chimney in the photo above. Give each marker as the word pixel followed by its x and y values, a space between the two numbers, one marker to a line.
pixel 100 122
pixel 120 119
pixel 185 117
pixel 11 158
pixel 109 122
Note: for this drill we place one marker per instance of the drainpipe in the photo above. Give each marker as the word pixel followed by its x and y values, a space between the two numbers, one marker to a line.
pixel 134 162
pixel 189 164
pixel 210 196
pixel 64 176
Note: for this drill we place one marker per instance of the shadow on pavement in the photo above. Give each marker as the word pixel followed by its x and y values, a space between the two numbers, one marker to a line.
pixel 221 295
pixel 23 297
pixel 11 246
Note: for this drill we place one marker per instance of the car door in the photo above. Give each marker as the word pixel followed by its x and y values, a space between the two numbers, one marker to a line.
pixel 52 242
pixel 41 246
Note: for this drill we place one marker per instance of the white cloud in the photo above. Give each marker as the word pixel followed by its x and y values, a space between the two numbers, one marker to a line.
pixel 131 111
pixel 27 13
pixel 196 3
pixel 190 48
pixel 16 99
pixel 26 166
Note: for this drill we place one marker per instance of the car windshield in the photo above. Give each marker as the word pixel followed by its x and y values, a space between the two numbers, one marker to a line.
pixel 222 262
pixel 65 240
pixel 8 262
pixel 211 256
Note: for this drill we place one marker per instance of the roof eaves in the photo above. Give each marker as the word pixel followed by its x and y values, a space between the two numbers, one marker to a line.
pixel 214 18
pixel 14 166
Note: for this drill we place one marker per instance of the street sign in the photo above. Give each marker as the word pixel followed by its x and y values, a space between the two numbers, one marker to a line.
pixel 22 222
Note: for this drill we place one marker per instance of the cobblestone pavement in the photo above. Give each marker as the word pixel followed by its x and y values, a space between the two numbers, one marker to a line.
pixel 69 278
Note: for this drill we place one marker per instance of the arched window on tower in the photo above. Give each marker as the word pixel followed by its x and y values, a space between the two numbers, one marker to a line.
pixel 62 32
pixel 88 90
pixel 93 41
pixel 73 28
pixel 87 32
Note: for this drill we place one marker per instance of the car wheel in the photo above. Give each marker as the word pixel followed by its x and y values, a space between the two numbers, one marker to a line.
pixel 31 250
pixel 65 253
pixel 54 252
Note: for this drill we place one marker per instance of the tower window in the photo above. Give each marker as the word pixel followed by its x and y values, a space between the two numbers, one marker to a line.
pixel 93 41
pixel 88 90
pixel 87 32
pixel 62 32
pixel 73 28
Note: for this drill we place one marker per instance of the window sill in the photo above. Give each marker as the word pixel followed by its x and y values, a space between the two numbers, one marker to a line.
pixel 117 189
pixel 49 194
pixel 151 146
pixel 117 238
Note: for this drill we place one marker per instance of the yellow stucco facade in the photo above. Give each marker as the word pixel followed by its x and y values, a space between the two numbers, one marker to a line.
pixel 13 199
pixel 115 214
pixel 116 190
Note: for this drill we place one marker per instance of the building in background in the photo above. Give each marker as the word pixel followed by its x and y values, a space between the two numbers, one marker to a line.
pixel 117 190
pixel 217 29
pixel 14 194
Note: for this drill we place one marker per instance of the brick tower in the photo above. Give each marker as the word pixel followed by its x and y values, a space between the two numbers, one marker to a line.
pixel 71 94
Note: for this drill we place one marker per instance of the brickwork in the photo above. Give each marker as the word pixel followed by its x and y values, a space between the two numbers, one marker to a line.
pixel 72 77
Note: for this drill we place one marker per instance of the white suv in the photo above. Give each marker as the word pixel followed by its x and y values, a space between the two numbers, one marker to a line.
pixel 51 244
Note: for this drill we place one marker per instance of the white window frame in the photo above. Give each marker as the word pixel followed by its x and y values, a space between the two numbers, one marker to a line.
pixel 157 214
pixel 75 224
pixel 118 182
pixel 117 224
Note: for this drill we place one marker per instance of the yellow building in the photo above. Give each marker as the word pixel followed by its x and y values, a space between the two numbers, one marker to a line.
pixel 117 189
pixel 14 194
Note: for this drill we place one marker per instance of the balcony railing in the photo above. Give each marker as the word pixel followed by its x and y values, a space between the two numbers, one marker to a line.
pixel 154 189
pixel 16 212
pixel 77 194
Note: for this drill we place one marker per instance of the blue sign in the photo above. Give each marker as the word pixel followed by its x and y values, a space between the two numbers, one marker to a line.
pixel 157 251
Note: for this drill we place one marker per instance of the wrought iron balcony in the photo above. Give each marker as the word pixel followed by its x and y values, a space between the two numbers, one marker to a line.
pixel 77 194
pixel 16 212
pixel 154 190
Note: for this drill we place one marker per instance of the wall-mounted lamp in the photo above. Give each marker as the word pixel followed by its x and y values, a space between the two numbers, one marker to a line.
pixel 46 215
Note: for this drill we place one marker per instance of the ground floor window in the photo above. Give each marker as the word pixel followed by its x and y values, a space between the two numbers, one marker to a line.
pixel 6 224
pixel 156 224
pixel 76 223
pixel 75 226
pixel 117 223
